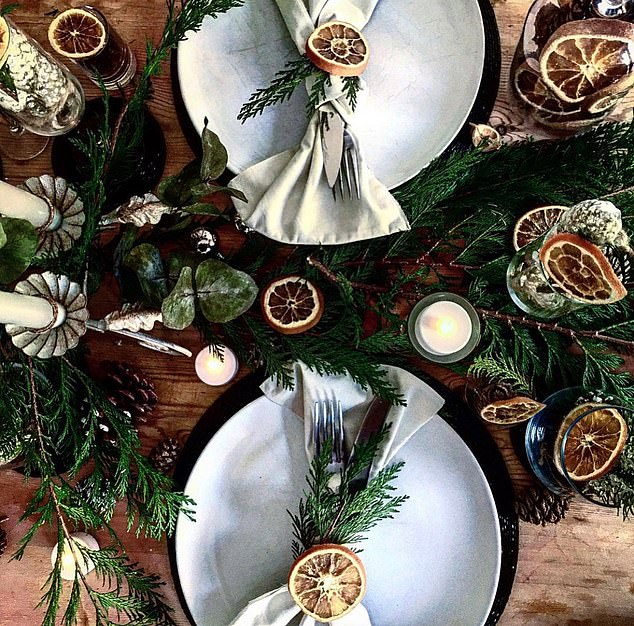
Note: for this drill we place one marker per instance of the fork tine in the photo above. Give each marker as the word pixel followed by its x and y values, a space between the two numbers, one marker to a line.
pixel 316 430
pixel 339 433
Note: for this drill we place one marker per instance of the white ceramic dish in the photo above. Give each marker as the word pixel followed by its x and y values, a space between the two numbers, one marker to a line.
pixel 436 563
pixel 423 77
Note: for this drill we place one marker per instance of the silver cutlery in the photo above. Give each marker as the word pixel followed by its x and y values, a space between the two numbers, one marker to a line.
pixel 332 132
pixel 328 426
pixel 348 181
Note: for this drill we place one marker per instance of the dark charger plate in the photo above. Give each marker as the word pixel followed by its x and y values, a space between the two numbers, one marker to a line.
pixel 455 412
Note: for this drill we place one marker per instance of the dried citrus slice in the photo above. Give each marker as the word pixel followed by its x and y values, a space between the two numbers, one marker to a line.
pixel 77 34
pixel 594 443
pixel 5 35
pixel 536 223
pixel 511 411
pixel 585 56
pixel 292 304
pixel 604 100
pixel 338 48
pixel 581 270
pixel 327 581
pixel 533 91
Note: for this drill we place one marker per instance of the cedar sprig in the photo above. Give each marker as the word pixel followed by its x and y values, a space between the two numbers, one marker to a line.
pixel 336 514
pixel 294 74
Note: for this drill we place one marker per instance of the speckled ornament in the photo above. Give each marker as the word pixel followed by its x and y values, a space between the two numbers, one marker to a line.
pixel 599 221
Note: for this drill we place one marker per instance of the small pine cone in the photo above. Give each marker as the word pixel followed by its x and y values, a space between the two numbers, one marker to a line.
pixel 539 505
pixel 3 535
pixel 164 456
pixel 479 392
pixel 130 390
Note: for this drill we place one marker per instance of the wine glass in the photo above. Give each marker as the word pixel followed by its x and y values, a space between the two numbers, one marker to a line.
pixel 39 97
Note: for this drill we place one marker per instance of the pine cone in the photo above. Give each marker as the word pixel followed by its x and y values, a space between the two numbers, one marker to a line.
pixel 3 535
pixel 538 505
pixel 130 390
pixel 479 392
pixel 164 456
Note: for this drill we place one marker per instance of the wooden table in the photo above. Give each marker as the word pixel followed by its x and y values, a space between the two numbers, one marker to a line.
pixel 576 573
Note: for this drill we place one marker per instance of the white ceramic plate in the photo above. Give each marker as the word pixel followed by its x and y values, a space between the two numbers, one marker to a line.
pixel 423 77
pixel 436 563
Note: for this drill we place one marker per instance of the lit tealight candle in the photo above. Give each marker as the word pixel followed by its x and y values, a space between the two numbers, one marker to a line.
pixel 444 327
pixel 69 562
pixel 216 371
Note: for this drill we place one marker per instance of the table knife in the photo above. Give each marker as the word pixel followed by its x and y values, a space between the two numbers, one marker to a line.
pixel 372 423
pixel 332 144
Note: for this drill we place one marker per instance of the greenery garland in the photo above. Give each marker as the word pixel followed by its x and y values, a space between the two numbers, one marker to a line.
pixel 462 209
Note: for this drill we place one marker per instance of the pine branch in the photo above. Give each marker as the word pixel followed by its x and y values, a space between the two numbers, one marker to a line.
pixel 555 327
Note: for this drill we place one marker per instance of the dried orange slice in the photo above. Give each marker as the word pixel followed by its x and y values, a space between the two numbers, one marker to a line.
pixel 77 34
pixel 585 56
pixel 511 411
pixel 5 36
pixel 604 100
pixel 327 581
pixel 581 270
pixel 536 223
pixel 292 304
pixel 533 91
pixel 594 443
pixel 338 48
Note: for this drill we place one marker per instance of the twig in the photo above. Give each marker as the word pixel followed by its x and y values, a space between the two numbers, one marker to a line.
pixel 618 193
pixel 423 259
pixel 333 278
pixel 510 320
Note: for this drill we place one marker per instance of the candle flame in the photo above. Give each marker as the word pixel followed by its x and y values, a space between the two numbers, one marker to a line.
pixel 446 326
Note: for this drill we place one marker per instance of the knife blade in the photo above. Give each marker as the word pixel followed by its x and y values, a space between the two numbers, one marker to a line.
pixel 371 424
pixel 332 144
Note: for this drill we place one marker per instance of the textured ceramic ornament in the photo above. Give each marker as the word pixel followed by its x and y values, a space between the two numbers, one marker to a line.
pixel 65 228
pixel 52 341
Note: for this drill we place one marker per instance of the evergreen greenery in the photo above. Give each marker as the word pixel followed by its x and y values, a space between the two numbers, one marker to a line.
pixel 287 80
pixel 339 514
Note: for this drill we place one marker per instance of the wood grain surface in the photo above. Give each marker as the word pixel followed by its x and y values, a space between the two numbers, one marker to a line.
pixel 576 573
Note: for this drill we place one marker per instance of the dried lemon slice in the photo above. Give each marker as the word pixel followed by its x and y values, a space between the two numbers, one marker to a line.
pixel 536 223
pixel 5 37
pixel 594 443
pixel 581 270
pixel 292 304
pixel 327 581
pixel 338 48
pixel 77 34
pixel 533 91
pixel 511 411
pixel 586 56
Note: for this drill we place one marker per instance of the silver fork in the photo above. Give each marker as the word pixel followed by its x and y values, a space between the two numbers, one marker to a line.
pixel 328 425
pixel 348 180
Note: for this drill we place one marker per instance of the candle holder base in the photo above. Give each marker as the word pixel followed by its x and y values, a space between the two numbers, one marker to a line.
pixel 67 213
pixel 64 332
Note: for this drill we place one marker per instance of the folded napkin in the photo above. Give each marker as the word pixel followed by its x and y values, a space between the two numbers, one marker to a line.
pixel 289 199
pixel 277 608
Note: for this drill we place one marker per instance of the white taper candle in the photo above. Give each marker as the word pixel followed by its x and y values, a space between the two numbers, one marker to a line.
pixel 23 310
pixel 24 205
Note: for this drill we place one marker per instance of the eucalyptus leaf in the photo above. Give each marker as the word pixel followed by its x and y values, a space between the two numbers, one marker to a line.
pixel 179 308
pixel 185 188
pixel 236 193
pixel 215 156
pixel 202 208
pixel 223 292
pixel 177 261
pixel 19 249
pixel 145 261
pixel 3 237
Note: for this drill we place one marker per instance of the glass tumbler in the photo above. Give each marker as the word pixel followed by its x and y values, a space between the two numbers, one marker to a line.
pixel 41 95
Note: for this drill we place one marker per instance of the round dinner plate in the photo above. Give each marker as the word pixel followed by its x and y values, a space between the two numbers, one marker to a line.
pixel 425 69
pixel 436 563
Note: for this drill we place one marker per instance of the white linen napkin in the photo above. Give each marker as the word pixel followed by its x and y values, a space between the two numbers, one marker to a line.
pixel 289 199
pixel 277 608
